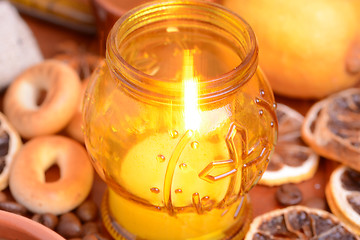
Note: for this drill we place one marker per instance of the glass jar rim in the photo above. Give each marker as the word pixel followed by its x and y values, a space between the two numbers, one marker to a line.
pixel 223 84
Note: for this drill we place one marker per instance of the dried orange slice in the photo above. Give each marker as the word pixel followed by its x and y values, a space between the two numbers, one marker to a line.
pixel 292 161
pixel 10 142
pixel 298 222
pixel 343 196
pixel 332 127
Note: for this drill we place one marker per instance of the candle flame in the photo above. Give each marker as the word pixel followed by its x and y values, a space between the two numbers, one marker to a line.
pixel 192 113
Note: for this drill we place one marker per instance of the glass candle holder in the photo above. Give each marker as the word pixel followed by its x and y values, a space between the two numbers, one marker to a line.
pixel 180 122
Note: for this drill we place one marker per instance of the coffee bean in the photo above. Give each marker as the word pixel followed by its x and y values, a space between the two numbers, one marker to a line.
pixel 288 194
pixel 89 228
pixel 47 219
pixel 91 237
pixel 13 207
pixel 69 225
pixel 87 211
pixel 95 236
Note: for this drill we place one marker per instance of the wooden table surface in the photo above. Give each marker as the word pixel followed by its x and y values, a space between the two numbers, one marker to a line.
pixel 262 198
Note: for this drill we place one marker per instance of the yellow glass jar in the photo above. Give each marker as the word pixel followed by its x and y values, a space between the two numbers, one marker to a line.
pixel 180 122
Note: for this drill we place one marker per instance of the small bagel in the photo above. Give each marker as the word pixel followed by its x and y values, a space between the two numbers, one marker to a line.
pixel 33 114
pixel 27 177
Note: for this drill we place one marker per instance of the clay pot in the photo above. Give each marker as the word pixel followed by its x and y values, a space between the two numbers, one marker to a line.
pixel 13 226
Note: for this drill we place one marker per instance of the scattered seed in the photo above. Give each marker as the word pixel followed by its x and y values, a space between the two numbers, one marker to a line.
pixel 47 219
pixel 87 211
pixel 69 226
pixel 95 236
pixel 288 194
pixel 13 207
pixel 89 228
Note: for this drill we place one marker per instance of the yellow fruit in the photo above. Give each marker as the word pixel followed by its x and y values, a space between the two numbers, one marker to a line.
pixel 307 49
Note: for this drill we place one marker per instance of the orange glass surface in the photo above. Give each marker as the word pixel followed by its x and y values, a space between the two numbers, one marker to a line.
pixel 179 165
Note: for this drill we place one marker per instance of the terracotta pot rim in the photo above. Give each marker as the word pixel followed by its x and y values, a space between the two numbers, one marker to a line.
pixel 24 227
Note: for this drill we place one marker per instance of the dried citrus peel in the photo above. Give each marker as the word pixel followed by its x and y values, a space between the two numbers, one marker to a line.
pixel 332 127
pixel 10 142
pixel 293 174
pixel 292 161
pixel 344 201
pixel 298 222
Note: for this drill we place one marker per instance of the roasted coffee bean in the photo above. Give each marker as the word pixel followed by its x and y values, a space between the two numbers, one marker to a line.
pixel 3 197
pixel 47 219
pixel 13 207
pixel 288 194
pixel 69 226
pixel 91 237
pixel 95 236
pixel 316 202
pixel 89 228
pixel 87 211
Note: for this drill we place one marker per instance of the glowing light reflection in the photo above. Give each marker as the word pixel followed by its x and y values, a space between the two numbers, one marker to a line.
pixel 191 91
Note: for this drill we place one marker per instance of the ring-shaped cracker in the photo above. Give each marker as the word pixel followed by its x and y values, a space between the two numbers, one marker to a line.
pixel 43 99
pixel 27 177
